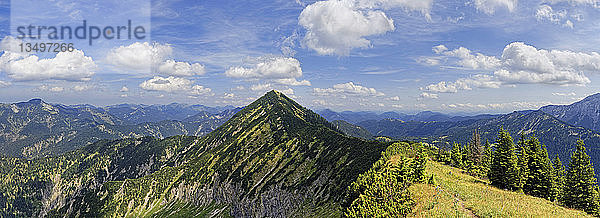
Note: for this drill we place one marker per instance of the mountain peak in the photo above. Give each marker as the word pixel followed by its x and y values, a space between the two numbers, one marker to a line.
pixel 35 101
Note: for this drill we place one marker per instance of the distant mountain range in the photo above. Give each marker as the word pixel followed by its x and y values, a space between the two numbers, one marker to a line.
pixel 36 128
pixel 274 158
pixel 425 116
pixel 584 113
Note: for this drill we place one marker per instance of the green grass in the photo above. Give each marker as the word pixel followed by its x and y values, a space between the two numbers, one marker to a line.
pixel 456 194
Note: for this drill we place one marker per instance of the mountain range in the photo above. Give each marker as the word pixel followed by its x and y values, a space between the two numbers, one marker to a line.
pixel 274 158
pixel 36 128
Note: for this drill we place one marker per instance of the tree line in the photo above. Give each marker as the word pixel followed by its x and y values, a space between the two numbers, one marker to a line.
pixel 525 167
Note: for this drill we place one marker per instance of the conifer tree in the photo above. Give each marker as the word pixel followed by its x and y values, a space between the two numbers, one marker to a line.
pixel 580 184
pixel 487 158
pixel 418 166
pixel 474 155
pixel 522 151
pixel 559 178
pixel 456 156
pixel 539 179
pixel 504 171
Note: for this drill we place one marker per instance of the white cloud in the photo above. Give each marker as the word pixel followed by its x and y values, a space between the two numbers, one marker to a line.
pixel 490 6
pixel 334 27
pixel 439 49
pixel 526 64
pixel 229 96
pixel 522 64
pixel 282 70
pixel 70 66
pixel 4 84
pixel 428 95
pixel 174 84
pixel 139 56
pixel 124 89
pixel 395 98
pixel 517 105
pixel 348 88
pixel 287 91
pixel 182 69
pixel 261 87
pixel 564 94
pixel 83 87
pixel 271 68
pixel 472 61
pixel 545 12
pixel 46 88
pixel 293 82
pixel 479 81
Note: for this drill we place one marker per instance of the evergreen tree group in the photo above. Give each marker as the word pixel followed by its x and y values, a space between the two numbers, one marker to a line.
pixel 526 166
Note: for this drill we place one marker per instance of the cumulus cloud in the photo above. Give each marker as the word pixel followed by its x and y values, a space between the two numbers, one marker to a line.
pixel 473 61
pixel 428 95
pixel 348 88
pixel 479 81
pixel 271 68
pixel 146 57
pixel 82 87
pixel 174 84
pixel 46 88
pixel 70 66
pixel 334 27
pixel 282 70
pixel 182 69
pixel 139 56
pixel 522 64
pixel 547 13
pixel 490 6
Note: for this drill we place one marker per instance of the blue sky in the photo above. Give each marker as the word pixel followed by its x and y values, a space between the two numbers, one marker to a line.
pixel 478 56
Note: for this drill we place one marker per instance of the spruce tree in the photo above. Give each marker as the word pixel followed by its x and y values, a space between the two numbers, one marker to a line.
pixel 580 184
pixel 539 179
pixel 486 161
pixel 504 171
pixel 456 156
pixel 559 178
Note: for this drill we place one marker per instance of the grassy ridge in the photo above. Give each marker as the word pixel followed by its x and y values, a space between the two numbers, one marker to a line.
pixel 479 198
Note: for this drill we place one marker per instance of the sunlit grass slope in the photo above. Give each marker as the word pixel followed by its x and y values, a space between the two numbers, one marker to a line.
pixel 456 194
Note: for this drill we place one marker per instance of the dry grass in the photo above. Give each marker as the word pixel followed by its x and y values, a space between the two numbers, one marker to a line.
pixel 477 197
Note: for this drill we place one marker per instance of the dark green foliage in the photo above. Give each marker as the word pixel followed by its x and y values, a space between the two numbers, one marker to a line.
pixel 351 129
pixel 486 161
pixel 559 176
pixel 382 191
pixel 580 190
pixel 418 165
pixel 504 172
pixel 456 156
pixel 473 155
pixel 539 180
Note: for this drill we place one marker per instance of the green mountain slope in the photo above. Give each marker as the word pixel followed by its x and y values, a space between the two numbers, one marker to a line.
pixel 274 158
pixel 351 129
